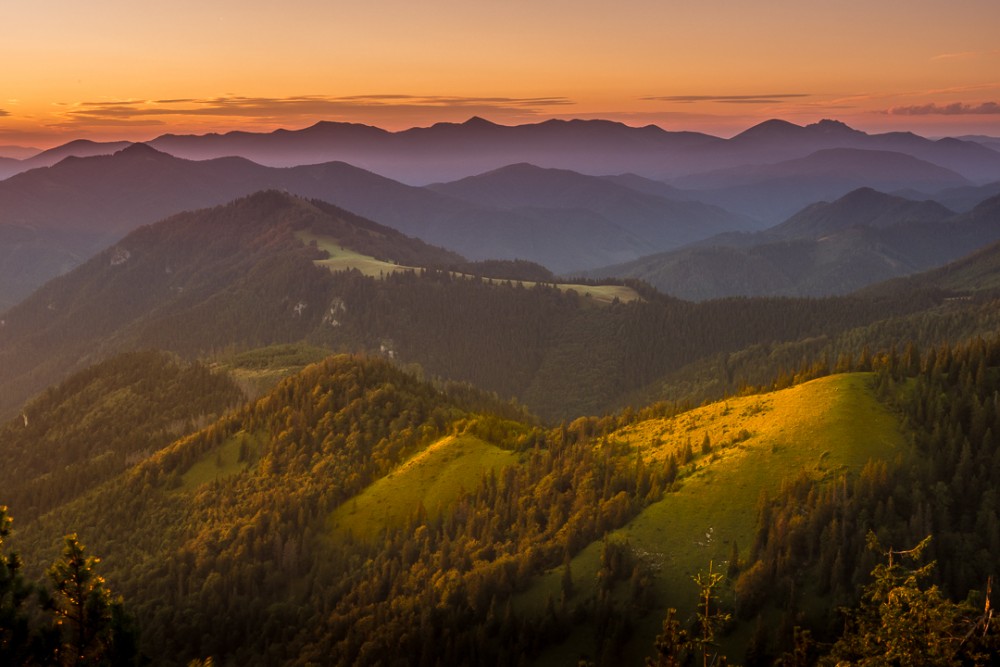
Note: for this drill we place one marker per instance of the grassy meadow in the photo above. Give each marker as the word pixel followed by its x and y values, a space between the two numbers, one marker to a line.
pixel 344 259
pixel 825 428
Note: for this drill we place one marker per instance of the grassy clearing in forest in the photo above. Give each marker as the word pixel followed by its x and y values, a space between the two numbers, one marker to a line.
pixel 435 477
pixel 223 461
pixel 825 427
pixel 344 259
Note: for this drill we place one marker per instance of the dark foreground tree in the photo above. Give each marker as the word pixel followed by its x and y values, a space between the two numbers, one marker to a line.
pixel 14 591
pixel 78 624
pixel 900 623
pixel 92 626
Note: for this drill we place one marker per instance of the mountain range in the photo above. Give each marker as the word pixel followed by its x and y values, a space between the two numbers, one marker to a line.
pixel 838 247
pixel 65 213
pixel 55 217
pixel 450 151
pixel 772 192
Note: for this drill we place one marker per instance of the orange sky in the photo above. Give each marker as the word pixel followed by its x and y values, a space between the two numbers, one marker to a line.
pixel 111 69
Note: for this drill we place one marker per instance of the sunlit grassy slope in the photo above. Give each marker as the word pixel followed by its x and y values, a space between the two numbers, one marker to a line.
pixel 435 477
pixel 825 427
pixel 344 259
pixel 222 461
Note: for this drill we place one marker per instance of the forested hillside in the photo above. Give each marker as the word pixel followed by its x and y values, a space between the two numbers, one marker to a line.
pixel 252 554
pixel 264 543
pixel 102 421
pixel 811 553
pixel 238 277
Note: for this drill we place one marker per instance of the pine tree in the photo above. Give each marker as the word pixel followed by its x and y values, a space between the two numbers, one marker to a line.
pixel 15 644
pixel 710 617
pixel 900 623
pixel 91 624
pixel 673 646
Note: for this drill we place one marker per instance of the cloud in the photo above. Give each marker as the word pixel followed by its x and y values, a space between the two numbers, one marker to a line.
pixel 954 109
pixel 290 109
pixel 965 55
pixel 728 99
pixel 4 113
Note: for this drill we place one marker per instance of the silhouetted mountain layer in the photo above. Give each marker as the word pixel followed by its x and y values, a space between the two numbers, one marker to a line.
pixel 828 248
pixel 449 151
pixel 772 192
pixel 76 148
pixel 650 219
pixel 81 205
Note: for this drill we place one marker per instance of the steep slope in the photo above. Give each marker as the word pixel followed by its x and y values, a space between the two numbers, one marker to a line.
pixel 96 424
pixel 967 198
pixel 353 422
pixel 827 248
pixel 864 207
pixel 29 257
pixel 823 429
pixel 248 274
pixel 978 272
pixel 547 546
pixel 195 282
pixel 47 158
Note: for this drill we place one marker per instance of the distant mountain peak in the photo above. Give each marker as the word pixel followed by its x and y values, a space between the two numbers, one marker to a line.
pixel 140 149
pixel 769 128
pixel 867 193
pixel 479 121
pixel 830 126
pixel 332 125
pixel 519 167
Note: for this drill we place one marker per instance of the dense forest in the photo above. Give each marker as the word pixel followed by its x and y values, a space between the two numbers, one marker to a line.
pixel 811 554
pixel 243 564
pixel 237 277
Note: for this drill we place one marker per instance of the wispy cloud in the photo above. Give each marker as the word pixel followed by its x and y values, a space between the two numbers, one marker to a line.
pixel 4 113
pixel 954 109
pixel 286 109
pixel 965 55
pixel 774 98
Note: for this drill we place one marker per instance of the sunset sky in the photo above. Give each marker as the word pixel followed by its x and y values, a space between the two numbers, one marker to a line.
pixel 111 69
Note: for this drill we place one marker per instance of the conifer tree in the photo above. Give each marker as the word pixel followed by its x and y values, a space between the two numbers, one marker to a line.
pixel 901 623
pixel 14 591
pixel 92 626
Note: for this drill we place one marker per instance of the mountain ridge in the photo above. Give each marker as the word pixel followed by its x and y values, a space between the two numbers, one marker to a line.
pixel 423 155
pixel 827 248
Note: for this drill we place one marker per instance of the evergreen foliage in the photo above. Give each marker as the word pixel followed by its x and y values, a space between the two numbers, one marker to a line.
pixel 77 624
pixel 812 555
pixel 102 420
